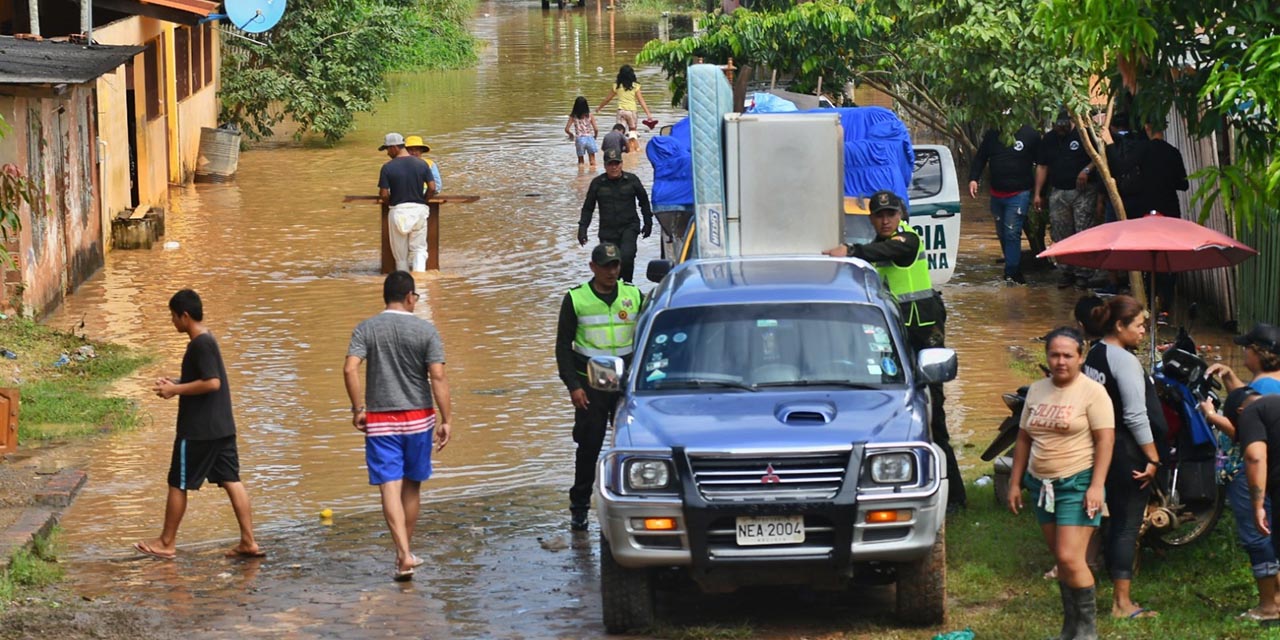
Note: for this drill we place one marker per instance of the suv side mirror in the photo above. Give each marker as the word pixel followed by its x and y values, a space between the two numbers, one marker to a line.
pixel 604 373
pixel 658 269
pixel 936 365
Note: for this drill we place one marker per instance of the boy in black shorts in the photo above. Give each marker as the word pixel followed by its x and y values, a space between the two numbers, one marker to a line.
pixel 205 448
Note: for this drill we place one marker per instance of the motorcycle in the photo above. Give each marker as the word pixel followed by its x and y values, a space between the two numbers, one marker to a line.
pixel 1188 500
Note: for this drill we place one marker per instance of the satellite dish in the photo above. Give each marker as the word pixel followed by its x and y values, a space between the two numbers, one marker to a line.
pixel 254 16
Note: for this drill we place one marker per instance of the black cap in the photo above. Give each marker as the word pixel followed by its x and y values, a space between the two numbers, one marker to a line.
pixel 1063 119
pixel 606 253
pixel 1235 400
pixel 1263 335
pixel 612 155
pixel 882 200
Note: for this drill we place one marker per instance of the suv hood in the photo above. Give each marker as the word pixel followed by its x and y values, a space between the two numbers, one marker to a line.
pixel 770 419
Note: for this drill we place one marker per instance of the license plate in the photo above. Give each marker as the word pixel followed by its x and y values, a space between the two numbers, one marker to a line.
pixel 770 530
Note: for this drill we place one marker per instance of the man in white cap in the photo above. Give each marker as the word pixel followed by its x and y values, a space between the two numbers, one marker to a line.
pixel 400 186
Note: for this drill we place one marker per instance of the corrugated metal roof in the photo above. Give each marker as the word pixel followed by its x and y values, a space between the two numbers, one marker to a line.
pixel 52 62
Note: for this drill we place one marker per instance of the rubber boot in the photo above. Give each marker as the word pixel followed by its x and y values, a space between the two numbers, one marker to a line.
pixel 1086 606
pixel 1069 614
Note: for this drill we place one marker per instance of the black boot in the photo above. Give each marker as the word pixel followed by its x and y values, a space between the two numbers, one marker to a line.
pixel 1086 605
pixel 1069 615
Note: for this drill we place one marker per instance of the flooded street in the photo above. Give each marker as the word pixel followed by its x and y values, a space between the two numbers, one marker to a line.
pixel 287 270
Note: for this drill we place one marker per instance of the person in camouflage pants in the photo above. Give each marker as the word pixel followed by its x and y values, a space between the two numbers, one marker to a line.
pixel 1064 166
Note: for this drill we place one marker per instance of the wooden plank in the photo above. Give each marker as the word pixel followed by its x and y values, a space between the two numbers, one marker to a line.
pixel 140 212
pixel 9 420
pixel 388 261
pixel 435 200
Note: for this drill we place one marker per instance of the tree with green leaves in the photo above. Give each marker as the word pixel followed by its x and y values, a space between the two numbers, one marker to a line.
pixel 1217 61
pixel 956 66
pixel 326 61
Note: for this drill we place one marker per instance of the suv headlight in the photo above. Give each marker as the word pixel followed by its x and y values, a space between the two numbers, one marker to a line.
pixel 893 468
pixel 647 474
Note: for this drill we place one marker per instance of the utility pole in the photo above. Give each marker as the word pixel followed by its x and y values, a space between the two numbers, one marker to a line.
pixel 86 20
pixel 33 8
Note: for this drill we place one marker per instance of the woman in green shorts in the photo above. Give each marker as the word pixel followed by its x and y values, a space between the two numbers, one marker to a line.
pixel 1064 449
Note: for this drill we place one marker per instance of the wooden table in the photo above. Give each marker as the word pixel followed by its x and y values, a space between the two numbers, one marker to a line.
pixel 433 228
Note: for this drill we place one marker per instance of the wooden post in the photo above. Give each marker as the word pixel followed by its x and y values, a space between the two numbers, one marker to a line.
pixel 433 228
pixel 433 236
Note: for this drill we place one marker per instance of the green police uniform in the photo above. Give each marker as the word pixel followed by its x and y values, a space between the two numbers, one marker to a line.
pixel 901 263
pixel 593 324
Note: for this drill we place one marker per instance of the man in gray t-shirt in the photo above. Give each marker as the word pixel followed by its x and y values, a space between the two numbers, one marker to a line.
pixel 406 409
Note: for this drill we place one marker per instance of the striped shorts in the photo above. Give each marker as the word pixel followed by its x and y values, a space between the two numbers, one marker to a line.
pixel 397 445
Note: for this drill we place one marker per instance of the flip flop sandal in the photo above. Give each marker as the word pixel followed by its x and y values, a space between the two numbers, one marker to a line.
pixel 1141 612
pixel 145 549
pixel 402 576
pixel 1259 617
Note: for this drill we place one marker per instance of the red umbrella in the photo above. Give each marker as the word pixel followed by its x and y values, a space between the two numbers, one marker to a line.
pixel 1150 243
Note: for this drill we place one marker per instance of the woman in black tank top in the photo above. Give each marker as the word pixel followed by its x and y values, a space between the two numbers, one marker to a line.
pixel 1121 322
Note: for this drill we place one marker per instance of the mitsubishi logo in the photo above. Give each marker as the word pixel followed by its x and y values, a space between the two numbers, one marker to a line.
pixel 769 476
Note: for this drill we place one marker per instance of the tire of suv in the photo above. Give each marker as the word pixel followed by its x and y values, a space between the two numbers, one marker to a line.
pixel 626 594
pixel 922 586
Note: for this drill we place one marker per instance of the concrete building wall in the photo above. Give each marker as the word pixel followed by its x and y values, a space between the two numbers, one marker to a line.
pixel 168 144
pixel 54 141
pixel 152 146
pixel 113 134
pixel 200 109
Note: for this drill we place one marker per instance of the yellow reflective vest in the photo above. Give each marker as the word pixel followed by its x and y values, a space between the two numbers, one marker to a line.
pixel 910 284
pixel 605 330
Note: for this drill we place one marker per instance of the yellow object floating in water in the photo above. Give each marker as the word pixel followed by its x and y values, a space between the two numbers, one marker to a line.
pixel 326 513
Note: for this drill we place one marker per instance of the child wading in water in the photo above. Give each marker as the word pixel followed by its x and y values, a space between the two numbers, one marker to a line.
pixel 205 447
pixel 581 128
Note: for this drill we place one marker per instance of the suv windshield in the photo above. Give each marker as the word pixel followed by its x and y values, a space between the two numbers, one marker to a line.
pixel 748 347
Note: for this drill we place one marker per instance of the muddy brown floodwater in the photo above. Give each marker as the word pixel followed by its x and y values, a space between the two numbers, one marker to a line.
pixel 286 271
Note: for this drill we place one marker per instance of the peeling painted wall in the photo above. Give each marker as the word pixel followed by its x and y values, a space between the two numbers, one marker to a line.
pixel 54 140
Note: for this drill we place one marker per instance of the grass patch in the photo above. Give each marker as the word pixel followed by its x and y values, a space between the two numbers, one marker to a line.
pixel 707 632
pixel 995 562
pixel 31 568
pixel 65 396
pixel 658 6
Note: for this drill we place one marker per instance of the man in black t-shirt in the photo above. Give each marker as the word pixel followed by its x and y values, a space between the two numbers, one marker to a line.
pixel 205 447
pixel 1012 178
pixel 1258 430
pixel 402 185
pixel 1063 165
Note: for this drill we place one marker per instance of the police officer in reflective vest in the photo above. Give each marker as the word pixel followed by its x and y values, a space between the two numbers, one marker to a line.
pixel 898 254
pixel 597 318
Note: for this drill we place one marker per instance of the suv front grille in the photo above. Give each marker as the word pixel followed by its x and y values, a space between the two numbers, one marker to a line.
pixel 763 478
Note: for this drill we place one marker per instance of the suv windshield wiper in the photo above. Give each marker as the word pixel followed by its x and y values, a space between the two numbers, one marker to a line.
pixel 699 383
pixel 848 384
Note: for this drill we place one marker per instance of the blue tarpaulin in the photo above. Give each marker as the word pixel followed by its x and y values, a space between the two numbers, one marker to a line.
pixel 877 155
pixel 672 168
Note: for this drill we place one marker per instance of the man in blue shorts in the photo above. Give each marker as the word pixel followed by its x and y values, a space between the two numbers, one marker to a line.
pixel 407 410
pixel 205 448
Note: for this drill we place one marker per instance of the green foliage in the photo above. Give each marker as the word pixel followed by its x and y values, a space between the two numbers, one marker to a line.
pixel 1217 61
pixel 954 65
pixel 326 60
pixel 15 190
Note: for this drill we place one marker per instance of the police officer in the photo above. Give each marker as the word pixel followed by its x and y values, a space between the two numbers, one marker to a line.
pixel 898 254
pixel 617 192
pixel 597 318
